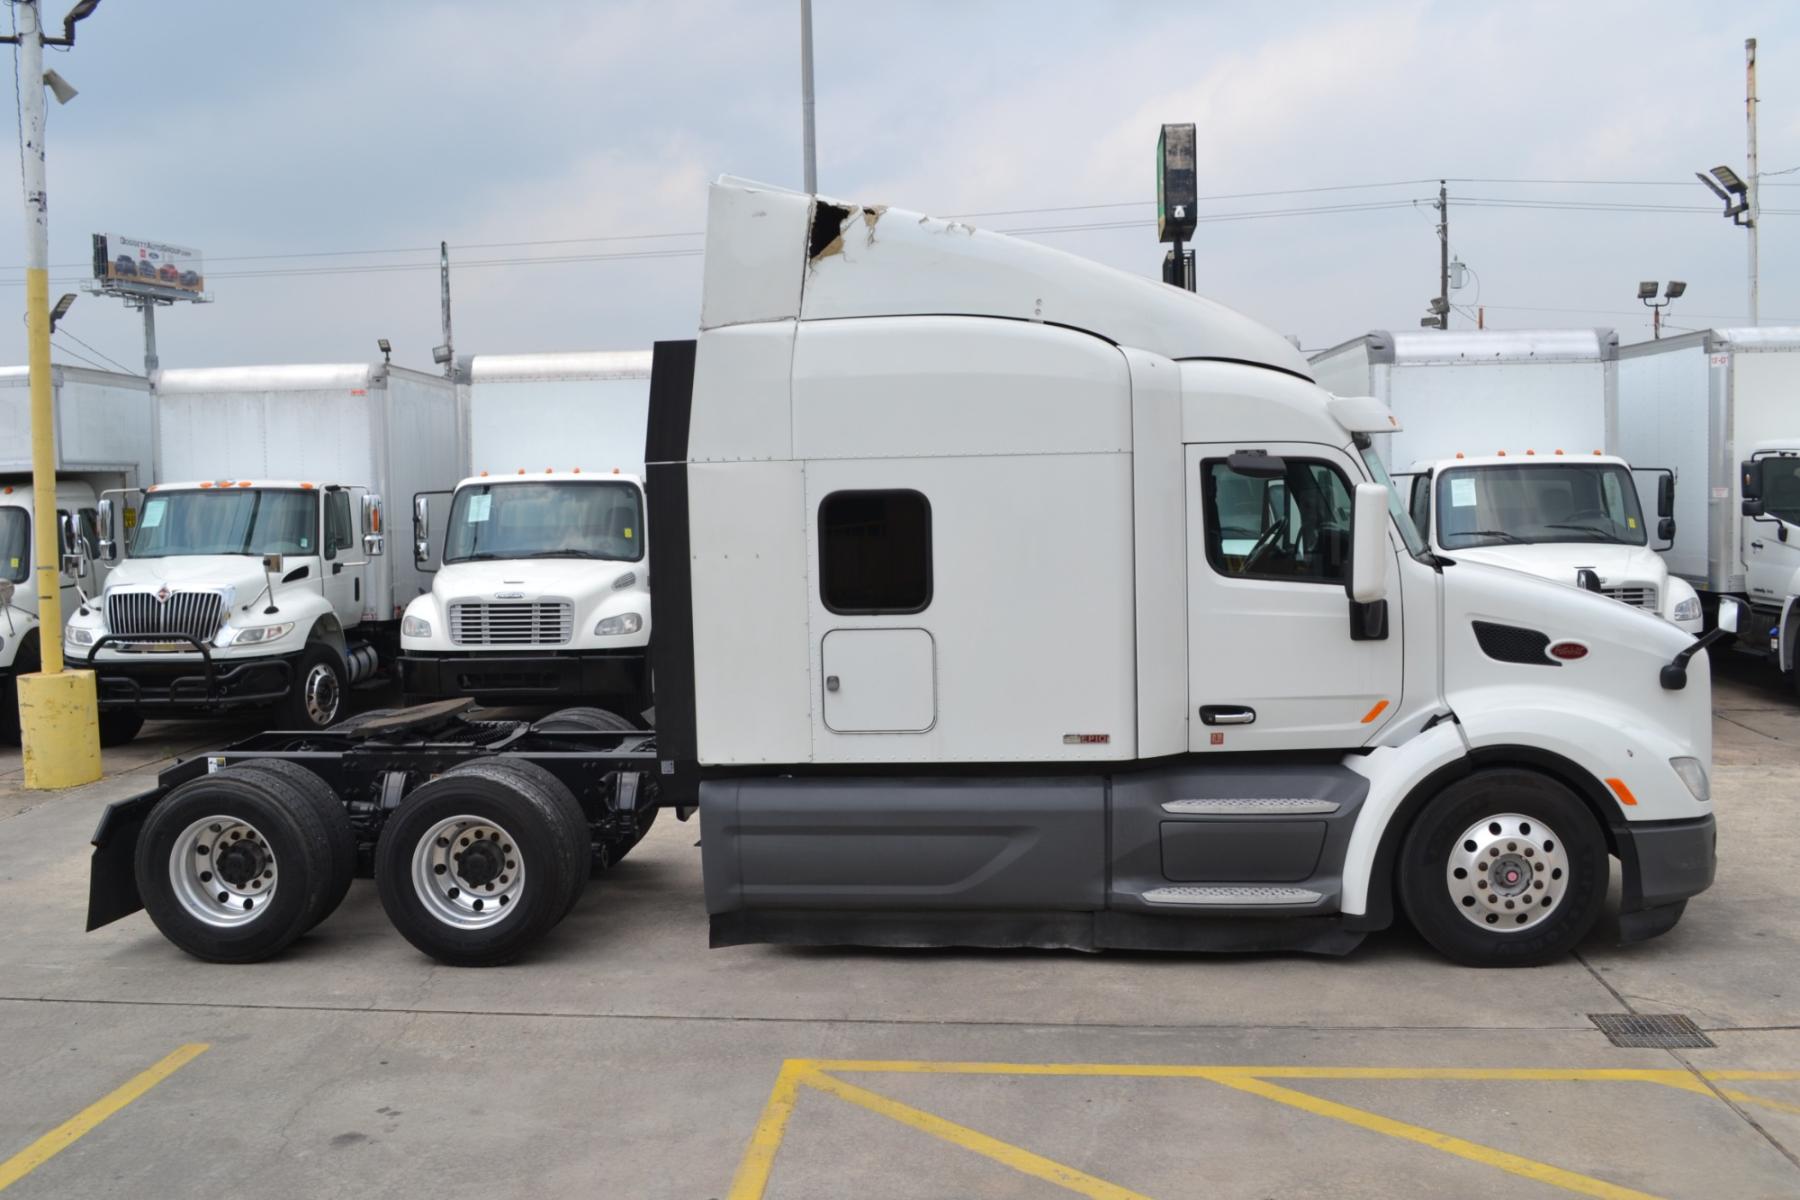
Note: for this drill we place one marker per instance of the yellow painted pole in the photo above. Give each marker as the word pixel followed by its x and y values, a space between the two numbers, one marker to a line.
pixel 58 719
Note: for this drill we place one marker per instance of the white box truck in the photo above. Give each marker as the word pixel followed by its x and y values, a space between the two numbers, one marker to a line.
pixel 252 572
pixel 952 650
pixel 541 591
pixel 103 443
pixel 1723 407
pixel 1502 456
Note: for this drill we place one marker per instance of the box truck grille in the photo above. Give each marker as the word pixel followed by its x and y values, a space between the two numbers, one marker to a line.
pixel 141 614
pixel 1638 595
pixel 528 623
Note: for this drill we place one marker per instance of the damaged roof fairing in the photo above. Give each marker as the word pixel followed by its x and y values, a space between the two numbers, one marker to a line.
pixel 863 261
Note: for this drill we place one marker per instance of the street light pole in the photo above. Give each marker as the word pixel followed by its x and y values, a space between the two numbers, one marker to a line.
pixel 57 714
pixel 1750 165
pixel 806 96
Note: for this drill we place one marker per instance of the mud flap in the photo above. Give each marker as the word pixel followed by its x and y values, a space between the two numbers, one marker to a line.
pixel 112 873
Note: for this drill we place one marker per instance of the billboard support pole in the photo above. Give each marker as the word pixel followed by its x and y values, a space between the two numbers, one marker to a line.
pixel 151 362
pixel 57 714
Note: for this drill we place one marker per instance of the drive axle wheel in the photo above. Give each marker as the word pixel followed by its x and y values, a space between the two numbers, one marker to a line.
pixel 1504 868
pixel 477 864
pixel 233 866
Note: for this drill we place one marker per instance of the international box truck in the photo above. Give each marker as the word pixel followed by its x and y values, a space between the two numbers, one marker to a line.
pixel 103 443
pixel 952 649
pixel 1503 456
pixel 540 590
pixel 253 573
pixel 1723 407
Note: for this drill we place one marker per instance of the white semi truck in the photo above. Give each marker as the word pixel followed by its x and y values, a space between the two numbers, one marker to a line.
pixel 952 650
pixel 103 442
pixel 252 574
pixel 541 589
pixel 1502 456
pixel 1723 407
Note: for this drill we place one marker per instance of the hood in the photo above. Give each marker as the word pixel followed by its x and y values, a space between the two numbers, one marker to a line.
pixel 533 577
pixel 233 574
pixel 1558 561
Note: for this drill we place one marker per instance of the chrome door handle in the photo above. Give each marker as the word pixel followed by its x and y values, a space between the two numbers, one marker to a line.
pixel 1227 714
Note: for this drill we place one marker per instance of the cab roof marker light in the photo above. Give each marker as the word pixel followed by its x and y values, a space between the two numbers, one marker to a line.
pixel 1500 453
pixel 1529 453
pixel 204 484
pixel 1559 451
pixel 243 483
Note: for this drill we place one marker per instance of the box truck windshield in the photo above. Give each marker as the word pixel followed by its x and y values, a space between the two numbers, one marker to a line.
pixel 234 521
pixel 1553 502
pixel 546 520
pixel 15 544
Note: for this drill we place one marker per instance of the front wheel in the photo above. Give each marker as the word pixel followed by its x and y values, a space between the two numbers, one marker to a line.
pixel 1504 868
pixel 316 699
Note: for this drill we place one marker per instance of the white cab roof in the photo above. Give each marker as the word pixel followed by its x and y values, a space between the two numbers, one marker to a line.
pixel 573 475
pixel 246 484
pixel 1518 458
pixel 774 255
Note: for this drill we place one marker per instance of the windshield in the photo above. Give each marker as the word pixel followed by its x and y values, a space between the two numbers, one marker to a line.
pixel 1551 502
pixel 15 544
pixel 227 521
pixel 546 520
pixel 1396 502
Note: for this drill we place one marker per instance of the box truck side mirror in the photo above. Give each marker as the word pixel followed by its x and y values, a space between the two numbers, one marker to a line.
pixel 105 522
pixel 1665 496
pixel 74 551
pixel 1750 486
pixel 374 541
pixel 1665 530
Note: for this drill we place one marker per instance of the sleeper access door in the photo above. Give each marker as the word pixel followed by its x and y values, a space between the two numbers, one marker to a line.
pixel 1273 663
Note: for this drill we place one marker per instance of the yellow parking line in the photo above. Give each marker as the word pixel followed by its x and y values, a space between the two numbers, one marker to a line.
pixel 1585 1185
pixel 1004 1153
pixel 65 1135
pixel 1185 1071
pixel 752 1178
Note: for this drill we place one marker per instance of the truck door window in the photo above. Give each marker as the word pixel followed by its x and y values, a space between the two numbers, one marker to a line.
pixel 1781 488
pixel 875 552
pixel 1293 528
pixel 340 533
pixel 15 544
pixel 1421 506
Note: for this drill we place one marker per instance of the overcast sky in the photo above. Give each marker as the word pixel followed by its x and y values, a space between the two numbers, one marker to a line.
pixel 252 130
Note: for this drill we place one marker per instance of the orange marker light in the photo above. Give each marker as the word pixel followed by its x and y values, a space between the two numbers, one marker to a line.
pixel 1501 453
pixel 1530 452
pixel 1380 707
pixel 306 487
pixel 615 470
pixel 1622 792
pixel 484 474
pixel 243 483
pixel 1559 451
pixel 577 470
pixel 1459 454
pixel 206 485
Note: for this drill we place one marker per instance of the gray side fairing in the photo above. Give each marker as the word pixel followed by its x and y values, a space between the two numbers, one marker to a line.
pixel 1049 861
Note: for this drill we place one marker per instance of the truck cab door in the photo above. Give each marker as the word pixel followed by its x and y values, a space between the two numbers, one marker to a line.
pixel 1772 541
pixel 344 560
pixel 1274 662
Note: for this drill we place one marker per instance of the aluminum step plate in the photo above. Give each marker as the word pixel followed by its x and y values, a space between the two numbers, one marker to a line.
pixel 1251 806
pixel 1238 895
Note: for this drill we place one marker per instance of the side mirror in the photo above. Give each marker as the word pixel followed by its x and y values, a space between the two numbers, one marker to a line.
pixel 105 522
pixel 1369 549
pixel 1665 497
pixel 374 541
pixel 74 553
pixel 421 530
pixel 1665 530
pixel 1734 614
pixel 1750 483
pixel 1587 579
pixel 272 564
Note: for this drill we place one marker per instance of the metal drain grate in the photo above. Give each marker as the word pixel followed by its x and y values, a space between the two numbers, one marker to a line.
pixel 1661 1031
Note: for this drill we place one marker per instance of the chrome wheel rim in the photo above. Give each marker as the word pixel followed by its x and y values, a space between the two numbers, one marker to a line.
pixel 223 872
pixel 319 691
pixel 1508 873
pixel 467 872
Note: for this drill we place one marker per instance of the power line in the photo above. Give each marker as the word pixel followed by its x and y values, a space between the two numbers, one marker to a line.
pixel 115 362
pixel 78 354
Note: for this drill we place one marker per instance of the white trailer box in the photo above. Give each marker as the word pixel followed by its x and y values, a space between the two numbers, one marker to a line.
pixel 283 595
pixel 102 442
pixel 1500 456
pixel 542 588
pixel 1710 404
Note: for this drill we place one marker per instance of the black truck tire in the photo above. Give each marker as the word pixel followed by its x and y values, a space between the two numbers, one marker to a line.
pixel 231 867
pixel 585 719
pixel 308 788
pixel 476 865
pixel 571 821
pixel 317 698
pixel 1504 868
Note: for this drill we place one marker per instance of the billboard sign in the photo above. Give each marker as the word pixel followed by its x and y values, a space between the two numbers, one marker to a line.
pixel 1176 197
pixel 124 264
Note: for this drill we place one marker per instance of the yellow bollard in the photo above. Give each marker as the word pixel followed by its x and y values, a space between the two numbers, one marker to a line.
pixel 56 723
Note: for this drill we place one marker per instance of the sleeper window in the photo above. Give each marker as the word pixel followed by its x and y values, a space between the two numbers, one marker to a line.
pixel 1294 527
pixel 875 552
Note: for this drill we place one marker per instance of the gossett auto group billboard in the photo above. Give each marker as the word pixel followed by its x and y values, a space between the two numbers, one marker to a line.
pixel 132 264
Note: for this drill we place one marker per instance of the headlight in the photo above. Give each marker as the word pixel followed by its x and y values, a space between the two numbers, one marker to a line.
pixel 1694 775
pixel 622 624
pixel 416 627
pixel 256 634
pixel 81 637
pixel 1687 610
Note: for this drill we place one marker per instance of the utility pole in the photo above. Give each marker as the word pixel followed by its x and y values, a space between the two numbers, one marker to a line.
pixel 444 286
pixel 1443 207
pixel 57 713
pixel 1750 166
pixel 806 96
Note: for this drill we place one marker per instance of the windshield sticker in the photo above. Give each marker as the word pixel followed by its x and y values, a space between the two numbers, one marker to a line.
pixel 1631 521
pixel 153 512
pixel 14 564
pixel 306 543
pixel 478 508
pixel 1462 493
pixel 628 531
